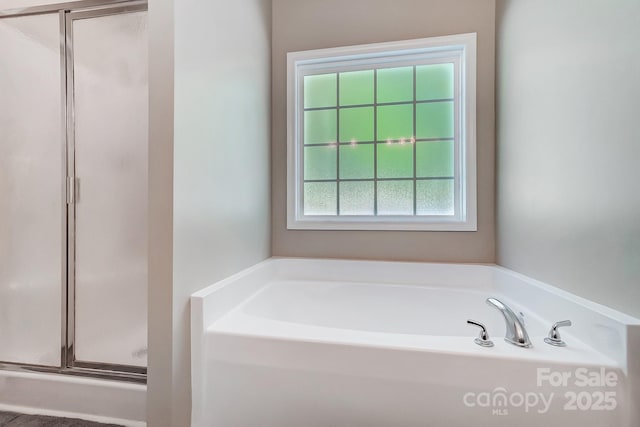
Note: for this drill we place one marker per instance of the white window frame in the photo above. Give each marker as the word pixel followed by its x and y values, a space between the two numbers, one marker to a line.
pixel 460 49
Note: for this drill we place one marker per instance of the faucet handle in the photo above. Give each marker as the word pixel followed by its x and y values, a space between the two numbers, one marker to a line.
pixel 554 335
pixel 483 339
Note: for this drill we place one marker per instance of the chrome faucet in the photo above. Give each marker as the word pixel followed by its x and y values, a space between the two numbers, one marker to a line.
pixel 516 333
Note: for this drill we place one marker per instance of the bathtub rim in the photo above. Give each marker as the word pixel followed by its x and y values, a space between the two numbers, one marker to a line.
pixel 272 267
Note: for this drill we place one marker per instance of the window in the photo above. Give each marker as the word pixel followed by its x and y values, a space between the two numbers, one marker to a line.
pixel 382 136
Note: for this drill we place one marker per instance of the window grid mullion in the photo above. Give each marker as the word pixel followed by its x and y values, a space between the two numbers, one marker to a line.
pixel 429 178
pixel 384 104
pixel 375 145
pixel 415 147
pixel 338 144
pixel 328 144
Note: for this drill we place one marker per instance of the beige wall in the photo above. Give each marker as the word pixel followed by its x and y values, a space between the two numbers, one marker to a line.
pixel 220 174
pixel 312 24
pixel 160 223
pixel 569 145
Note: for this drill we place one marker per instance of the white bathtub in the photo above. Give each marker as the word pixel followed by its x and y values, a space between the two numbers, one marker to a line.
pixel 299 342
pixel 105 401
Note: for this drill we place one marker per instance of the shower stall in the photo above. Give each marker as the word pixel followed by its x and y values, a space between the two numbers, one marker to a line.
pixel 73 191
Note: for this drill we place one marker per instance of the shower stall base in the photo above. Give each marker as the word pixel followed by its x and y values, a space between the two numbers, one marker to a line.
pixel 14 419
pixel 104 401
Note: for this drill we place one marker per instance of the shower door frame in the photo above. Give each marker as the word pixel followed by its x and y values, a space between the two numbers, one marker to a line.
pixel 69 12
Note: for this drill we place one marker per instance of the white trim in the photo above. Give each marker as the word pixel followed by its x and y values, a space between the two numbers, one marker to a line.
pixel 459 49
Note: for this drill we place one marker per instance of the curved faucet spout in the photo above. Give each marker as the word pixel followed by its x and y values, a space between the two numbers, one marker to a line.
pixel 516 333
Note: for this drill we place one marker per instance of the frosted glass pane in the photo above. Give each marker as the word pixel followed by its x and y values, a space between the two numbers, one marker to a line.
pixel 395 160
pixel 111 93
pixel 320 198
pixel 356 198
pixel 395 197
pixel 320 127
pixel 434 120
pixel 320 162
pixel 395 122
pixel 434 81
pixel 395 84
pixel 320 91
pixel 356 124
pixel 434 197
pixel 31 183
pixel 356 161
pixel 356 87
pixel 434 159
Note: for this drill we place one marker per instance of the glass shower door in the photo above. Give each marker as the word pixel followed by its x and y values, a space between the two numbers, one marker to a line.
pixel 109 92
pixel 32 208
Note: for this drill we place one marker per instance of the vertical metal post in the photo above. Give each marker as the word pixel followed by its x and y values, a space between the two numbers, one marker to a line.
pixel 65 189
pixel 71 210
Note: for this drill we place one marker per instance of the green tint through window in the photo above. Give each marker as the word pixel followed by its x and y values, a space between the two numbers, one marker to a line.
pixel 395 84
pixel 434 159
pixel 356 124
pixel 434 120
pixel 320 91
pixel 395 160
pixel 356 161
pixel 356 87
pixel 320 126
pixel 320 162
pixel 434 81
pixel 395 122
